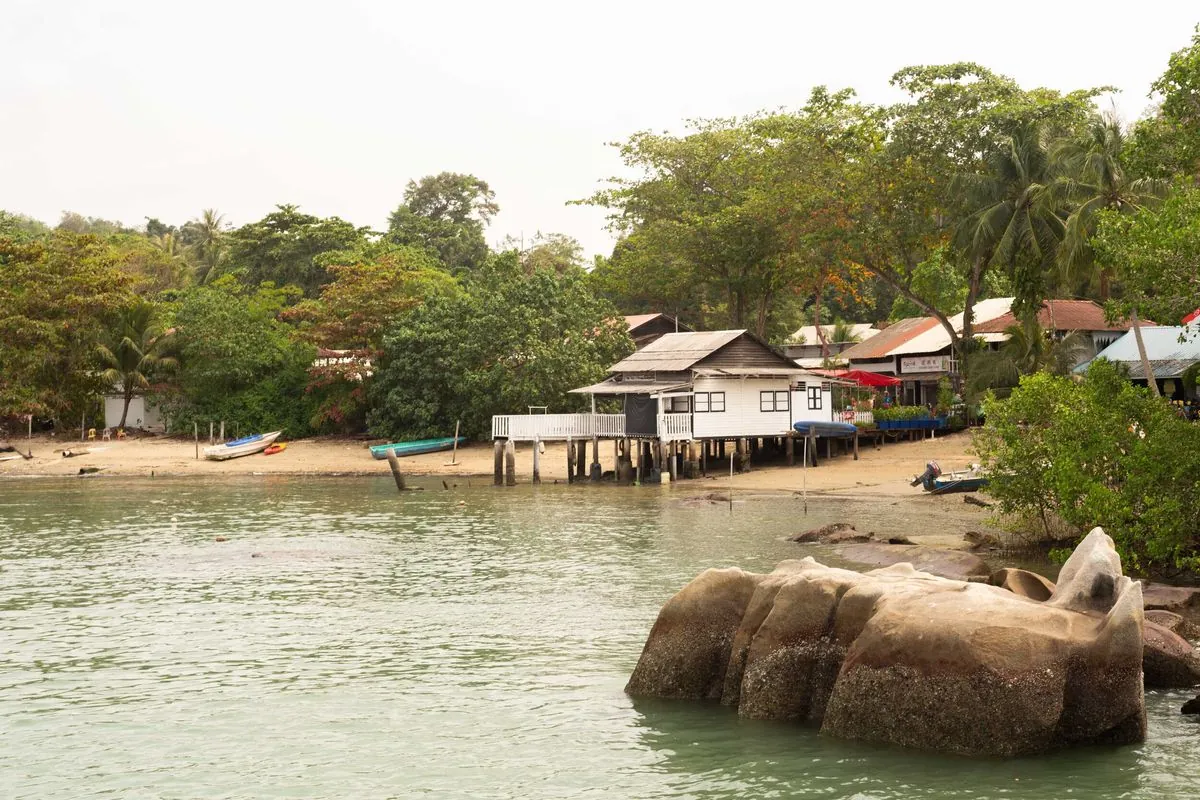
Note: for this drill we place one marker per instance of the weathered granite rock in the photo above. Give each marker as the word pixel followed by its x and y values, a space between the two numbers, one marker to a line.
pixel 1172 622
pixel 833 533
pixel 1024 583
pixel 902 656
pixel 957 564
pixel 980 540
pixel 1168 660
pixel 1181 600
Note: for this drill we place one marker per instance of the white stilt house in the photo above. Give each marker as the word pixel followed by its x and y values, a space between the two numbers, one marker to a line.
pixel 711 385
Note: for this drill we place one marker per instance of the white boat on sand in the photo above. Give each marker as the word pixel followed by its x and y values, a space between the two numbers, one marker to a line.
pixel 246 446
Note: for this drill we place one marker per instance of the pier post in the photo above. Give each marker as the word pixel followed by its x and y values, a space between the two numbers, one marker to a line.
pixel 498 477
pixel 510 463
pixel 394 463
pixel 672 463
pixel 791 451
pixel 570 460
pixel 856 444
pixel 638 467
pixel 581 460
pixel 596 471
pixel 537 460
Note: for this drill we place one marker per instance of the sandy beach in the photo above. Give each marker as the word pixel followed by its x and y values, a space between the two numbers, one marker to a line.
pixel 882 471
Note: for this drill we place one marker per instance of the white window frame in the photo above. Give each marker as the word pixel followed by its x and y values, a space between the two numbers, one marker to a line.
pixel 769 401
pixel 814 393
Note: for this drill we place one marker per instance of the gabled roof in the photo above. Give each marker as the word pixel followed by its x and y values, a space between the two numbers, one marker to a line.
pixel 725 350
pixel 1059 315
pixel 860 331
pixel 894 335
pixel 1168 356
pixel 676 352
pixel 635 321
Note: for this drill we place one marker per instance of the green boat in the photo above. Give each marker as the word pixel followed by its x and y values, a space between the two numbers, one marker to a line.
pixel 416 447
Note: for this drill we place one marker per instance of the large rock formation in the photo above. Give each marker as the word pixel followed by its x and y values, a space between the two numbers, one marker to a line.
pixel 901 656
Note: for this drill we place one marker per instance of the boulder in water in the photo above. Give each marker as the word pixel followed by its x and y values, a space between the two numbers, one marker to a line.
pixel 902 656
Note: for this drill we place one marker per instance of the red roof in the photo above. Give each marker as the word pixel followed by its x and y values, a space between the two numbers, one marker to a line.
pixel 894 335
pixel 1060 315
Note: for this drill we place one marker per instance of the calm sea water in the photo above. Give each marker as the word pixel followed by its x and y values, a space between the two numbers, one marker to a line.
pixel 350 642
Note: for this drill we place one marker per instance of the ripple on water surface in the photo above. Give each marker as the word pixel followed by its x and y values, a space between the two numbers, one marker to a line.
pixel 349 642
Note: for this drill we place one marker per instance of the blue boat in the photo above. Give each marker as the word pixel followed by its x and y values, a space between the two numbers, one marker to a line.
pixel 949 483
pixel 416 447
pixel 821 428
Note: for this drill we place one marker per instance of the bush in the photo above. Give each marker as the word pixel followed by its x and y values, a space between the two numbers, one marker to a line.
pixel 901 413
pixel 1101 452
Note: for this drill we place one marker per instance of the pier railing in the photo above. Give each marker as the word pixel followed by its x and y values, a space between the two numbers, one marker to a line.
pixel 675 427
pixel 557 427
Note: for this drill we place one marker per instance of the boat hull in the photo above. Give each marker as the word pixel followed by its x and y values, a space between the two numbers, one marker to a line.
pixel 821 428
pixel 415 448
pixel 241 447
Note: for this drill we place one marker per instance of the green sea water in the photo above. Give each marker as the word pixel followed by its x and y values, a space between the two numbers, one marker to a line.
pixel 349 642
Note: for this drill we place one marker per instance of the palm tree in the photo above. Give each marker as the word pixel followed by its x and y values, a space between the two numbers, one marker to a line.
pixel 1013 222
pixel 1029 348
pixel 1092 178
pixel 133 350
pixel 206 237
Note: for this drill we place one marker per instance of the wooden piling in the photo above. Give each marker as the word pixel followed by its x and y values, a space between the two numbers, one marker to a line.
pixel 856 445
pixel 510 463
pixel 498 455
pixel 570 460
pixel 581 459
pixel 640 460
pixel 537 460
pixel 790 446
pixel 672 463
pixel 196 436
pixel 595 469
pixel 398 476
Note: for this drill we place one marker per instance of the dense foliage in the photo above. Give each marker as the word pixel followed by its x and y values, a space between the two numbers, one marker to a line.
pixel 513 338
pixel 1099 452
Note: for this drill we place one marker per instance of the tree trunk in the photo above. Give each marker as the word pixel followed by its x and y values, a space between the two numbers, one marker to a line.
pixel 1105 288
pixel 125 411
pixel 817 319
pixel 1141 346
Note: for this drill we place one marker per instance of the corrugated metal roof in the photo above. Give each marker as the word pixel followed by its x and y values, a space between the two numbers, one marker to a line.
pixel 675 352
pixel 747 371
pixel 880 345
pixel 1168 356
pixel 861 331
pixel 937 338
pixel 611 386
pixel 1059 315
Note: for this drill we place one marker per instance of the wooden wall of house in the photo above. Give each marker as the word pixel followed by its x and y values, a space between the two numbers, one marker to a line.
pixel 800 404
pixel 742 415
pixel 743 352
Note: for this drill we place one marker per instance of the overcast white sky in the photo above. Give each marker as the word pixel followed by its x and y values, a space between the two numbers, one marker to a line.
pixel 127 109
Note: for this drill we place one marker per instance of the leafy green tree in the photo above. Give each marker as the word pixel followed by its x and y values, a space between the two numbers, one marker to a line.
pixel 55 294
pixel 285 246
pixel 1155 252
pixel 446 214
pixel 1167 144
pixel 512 339
pixel 132 350
pixel 21 228
pixel 72 222
pixel 239 362
pixel 1099 452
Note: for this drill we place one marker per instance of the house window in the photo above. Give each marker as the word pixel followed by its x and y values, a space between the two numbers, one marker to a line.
pixel 710 401
pixel 773 401
pixel 814 398
pixel 701 402
pixel 678 405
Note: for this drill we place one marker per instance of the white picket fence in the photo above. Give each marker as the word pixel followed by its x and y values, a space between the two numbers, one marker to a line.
pixel 675 427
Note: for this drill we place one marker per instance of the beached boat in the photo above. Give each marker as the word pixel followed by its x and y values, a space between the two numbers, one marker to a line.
pixel 822 428
pixel 934 481
pixel 246 446
pixel 415 447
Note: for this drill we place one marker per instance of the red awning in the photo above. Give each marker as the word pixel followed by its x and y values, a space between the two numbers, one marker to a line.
pixel 860 376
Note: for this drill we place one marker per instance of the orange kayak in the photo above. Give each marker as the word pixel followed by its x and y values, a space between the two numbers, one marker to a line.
pixel 275 448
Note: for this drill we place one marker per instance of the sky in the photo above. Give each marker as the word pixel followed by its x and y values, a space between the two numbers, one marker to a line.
pixel 129 109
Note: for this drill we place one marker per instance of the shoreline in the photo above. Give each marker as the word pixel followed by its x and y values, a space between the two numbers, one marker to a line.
pixel 882 472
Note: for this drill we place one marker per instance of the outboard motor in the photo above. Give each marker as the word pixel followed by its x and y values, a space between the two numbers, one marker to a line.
pixel 932 470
